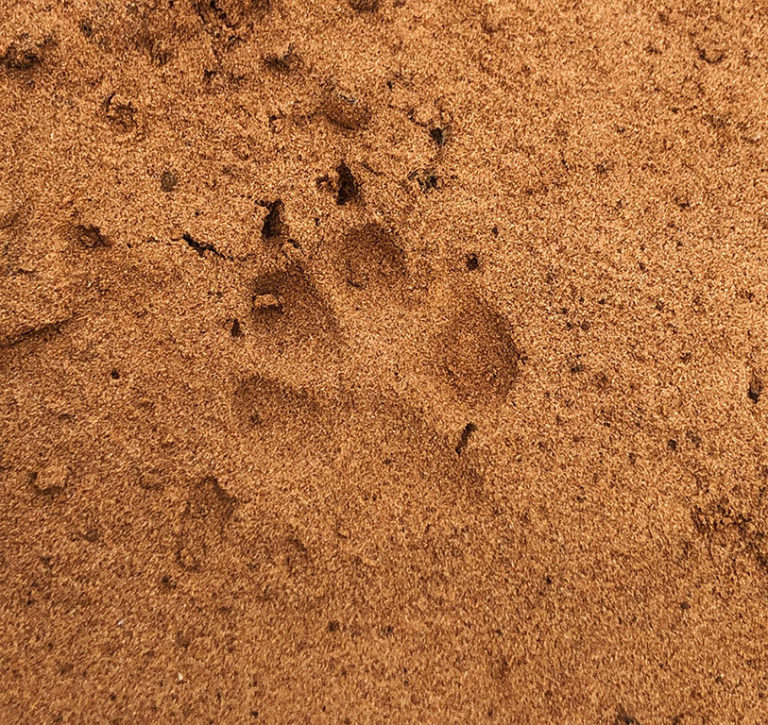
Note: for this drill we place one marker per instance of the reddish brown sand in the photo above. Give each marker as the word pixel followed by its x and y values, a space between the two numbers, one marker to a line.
pixel 383 360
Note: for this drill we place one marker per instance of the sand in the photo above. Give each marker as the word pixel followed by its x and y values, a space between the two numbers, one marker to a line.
pixel 383 360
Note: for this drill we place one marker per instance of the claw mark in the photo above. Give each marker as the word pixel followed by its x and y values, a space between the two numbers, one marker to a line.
pixel 202 247
pixel 274 226
pixel 469 429
pixel 349 188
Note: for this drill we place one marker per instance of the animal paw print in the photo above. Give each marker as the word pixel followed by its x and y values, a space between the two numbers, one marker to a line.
pixel 302 307
pixel 471 356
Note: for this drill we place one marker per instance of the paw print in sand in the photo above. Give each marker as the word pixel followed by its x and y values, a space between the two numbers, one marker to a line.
pixel 459 344
pixel 360 314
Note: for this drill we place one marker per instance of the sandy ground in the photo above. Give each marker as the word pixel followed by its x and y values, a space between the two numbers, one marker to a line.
pixel 383 360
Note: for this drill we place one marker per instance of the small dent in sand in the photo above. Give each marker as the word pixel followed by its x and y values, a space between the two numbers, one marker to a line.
pixel 120 113
pixel 286 301
pixel 476 353
pixel 364 6
pixel 345 110
pixel 265 403
pixel 221 17
pixel 89 236
pixel 50 480
pixel 370 257
pixel 206 514
pixel 168 181
pixel 24 52
pixel 283 62
pixel 426 179
pixel 711 56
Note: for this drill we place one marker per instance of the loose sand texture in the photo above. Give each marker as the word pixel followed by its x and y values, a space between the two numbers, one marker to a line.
pixel 383 361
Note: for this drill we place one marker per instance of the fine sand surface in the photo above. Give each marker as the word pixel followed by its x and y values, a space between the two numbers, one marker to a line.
pixel 383 361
